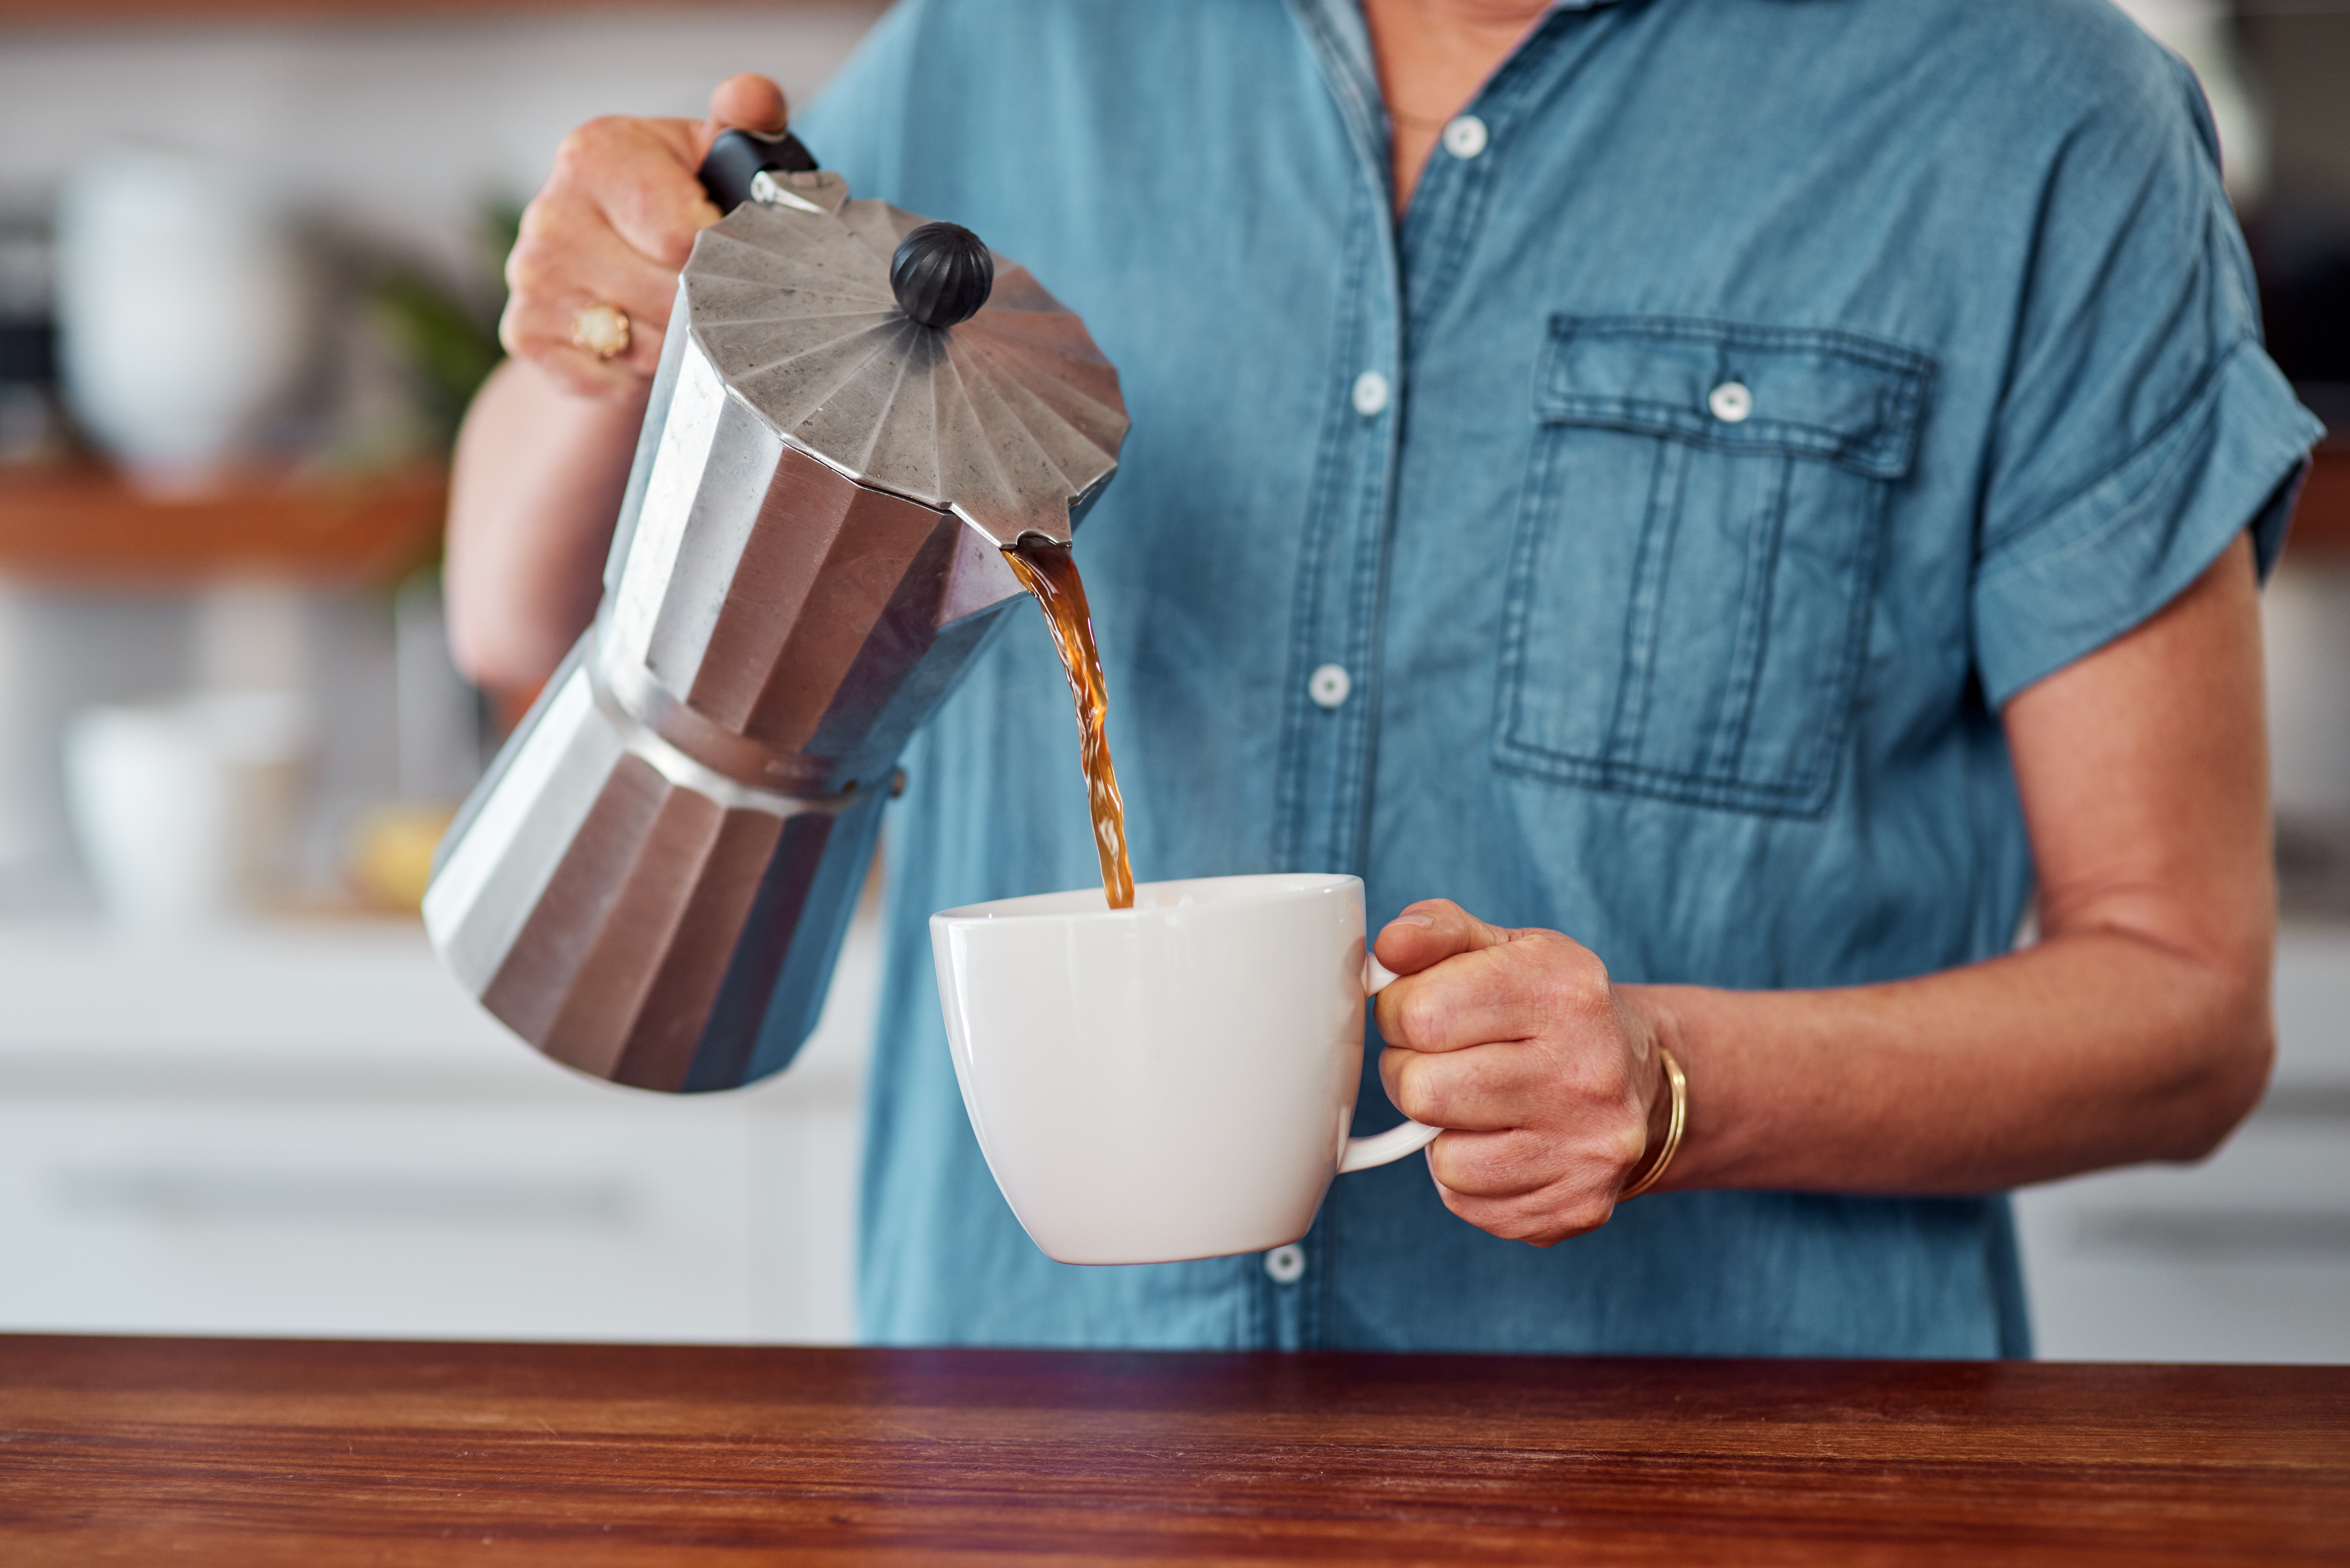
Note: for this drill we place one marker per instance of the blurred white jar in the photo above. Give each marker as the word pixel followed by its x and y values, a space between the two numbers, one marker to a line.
pixel 185 811
pixel 185 309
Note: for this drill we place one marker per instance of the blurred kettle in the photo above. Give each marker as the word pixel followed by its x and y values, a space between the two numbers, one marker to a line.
pixel 856 412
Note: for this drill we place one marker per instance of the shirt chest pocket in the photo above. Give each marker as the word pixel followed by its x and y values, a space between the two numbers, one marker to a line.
pixel 1690 582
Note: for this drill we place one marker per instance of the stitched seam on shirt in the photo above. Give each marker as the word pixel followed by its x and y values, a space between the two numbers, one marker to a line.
pixel 1292 808
pixel 1651 569
pixel 1502 104
pixel 1359 740
pixel 1516 606
pixel 1366 116
pixel 1809 800
pixel 1886 452
pixel 1806 794
pixel 1749 642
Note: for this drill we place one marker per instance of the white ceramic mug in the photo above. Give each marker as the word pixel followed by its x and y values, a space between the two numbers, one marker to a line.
pixel 1170 1081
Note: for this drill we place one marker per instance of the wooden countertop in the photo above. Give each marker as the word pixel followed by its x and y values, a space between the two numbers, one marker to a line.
pixel 318 1453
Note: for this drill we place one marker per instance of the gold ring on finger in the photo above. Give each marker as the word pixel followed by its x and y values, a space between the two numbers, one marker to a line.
pixel 601 331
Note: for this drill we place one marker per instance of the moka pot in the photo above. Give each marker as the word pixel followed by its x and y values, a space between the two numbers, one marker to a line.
pixel 855 412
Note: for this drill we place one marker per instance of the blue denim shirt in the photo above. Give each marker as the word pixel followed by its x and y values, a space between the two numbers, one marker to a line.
pixel 1709 679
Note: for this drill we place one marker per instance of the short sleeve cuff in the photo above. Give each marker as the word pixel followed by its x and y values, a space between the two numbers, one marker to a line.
pixel 2107 560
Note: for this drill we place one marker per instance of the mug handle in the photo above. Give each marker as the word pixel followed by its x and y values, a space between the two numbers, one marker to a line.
pixel 1382 1148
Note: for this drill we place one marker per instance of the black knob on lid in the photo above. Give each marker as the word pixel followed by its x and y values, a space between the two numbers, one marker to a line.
pixel 942 275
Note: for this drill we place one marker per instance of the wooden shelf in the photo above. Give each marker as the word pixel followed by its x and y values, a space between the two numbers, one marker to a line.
pixel 83 525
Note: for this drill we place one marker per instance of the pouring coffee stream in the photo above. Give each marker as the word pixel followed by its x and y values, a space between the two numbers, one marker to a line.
pixel 942 275
pixel 1049 572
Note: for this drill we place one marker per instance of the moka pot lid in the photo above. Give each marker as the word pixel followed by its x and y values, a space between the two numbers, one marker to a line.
pixel 907 356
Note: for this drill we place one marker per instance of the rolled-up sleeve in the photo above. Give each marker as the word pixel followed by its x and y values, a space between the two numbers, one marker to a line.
pixel 2143 426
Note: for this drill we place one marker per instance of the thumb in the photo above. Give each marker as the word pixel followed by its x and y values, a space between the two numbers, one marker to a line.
pixel 1429 932
pixel 747 102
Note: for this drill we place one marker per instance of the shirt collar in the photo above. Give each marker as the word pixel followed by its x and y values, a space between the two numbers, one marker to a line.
pixel 1342 39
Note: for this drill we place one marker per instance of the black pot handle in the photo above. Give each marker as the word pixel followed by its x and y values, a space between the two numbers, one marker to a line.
pixel 739 156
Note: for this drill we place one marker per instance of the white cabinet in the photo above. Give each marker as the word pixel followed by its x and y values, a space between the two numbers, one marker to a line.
pixel 2245 1257
pixel 313 1131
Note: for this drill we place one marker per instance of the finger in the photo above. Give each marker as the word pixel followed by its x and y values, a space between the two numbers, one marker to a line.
pixel 530 338
pixel 749 100
pixel 1538 984
pixel 1470 998
pixel 567 248
pixel 638 176
pixel 540 333
pixel 1431 931
pixel 1483 1090
pixel 561 267
pixel 1540 1218
pixel 1503 1164
pixel 1516 1160
pixel 653 197
pixel 1517 1083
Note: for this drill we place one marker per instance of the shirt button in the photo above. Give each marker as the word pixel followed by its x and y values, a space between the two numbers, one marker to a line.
pixel 1371 394
pixel 1330 685
pixel 1283 1265
pixel 1731 402
pixel 1465 136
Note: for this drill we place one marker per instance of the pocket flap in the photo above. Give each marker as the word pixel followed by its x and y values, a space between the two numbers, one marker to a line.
pixel 1848 400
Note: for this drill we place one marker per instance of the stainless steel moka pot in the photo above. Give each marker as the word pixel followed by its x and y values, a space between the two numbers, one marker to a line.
pixel 856 412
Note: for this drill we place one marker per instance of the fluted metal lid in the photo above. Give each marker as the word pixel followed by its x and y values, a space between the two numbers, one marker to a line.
pixel 1009 418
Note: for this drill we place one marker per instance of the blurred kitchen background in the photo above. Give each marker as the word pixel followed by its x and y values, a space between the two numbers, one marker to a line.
pixel 249 256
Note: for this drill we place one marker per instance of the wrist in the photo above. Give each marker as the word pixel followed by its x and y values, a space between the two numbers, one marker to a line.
pixel 1660 1029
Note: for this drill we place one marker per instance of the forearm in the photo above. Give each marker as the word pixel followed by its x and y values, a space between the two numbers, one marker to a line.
pixel 536 485
pixel 2092 1049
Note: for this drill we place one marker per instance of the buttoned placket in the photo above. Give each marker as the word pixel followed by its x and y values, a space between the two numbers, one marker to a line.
pixel 1330 730
pixel 1330 698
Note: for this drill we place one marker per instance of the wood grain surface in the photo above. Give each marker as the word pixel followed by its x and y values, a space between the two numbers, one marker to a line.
pixel 256 1452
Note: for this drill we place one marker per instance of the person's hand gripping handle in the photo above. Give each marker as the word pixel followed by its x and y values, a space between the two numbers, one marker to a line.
pixel 594 271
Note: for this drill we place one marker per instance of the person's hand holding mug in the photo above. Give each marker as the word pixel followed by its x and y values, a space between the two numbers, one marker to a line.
pixel 610 228
pixel 1547 1080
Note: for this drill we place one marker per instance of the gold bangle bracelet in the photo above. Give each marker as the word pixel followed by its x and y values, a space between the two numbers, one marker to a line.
pixel 1671 1146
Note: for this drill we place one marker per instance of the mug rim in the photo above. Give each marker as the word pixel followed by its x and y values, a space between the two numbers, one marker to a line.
pixel 1004 911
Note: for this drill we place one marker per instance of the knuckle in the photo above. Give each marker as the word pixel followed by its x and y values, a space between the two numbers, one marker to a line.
pixel 1420 1013
pixel 1574 985
pixel 1629 1145
pixel 1580 973
pixel 1420 1093
pixel 1454 1167
pixel 529 267
pixel 1584 1215
pixel 575 154
pixel 1603 1079
pixel 592 137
